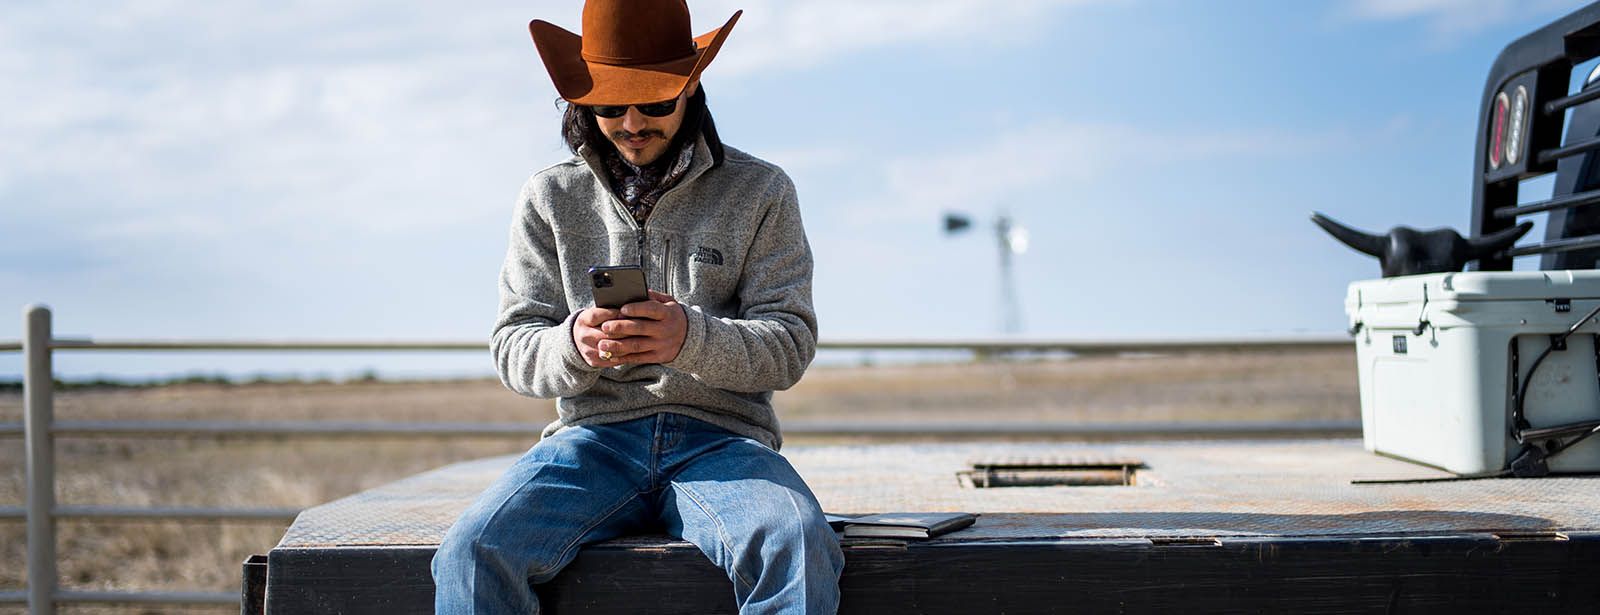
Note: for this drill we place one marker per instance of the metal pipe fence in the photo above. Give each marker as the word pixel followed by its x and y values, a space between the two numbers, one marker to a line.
pixel 39 430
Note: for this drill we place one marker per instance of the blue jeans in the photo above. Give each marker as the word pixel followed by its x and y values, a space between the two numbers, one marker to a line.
pixel 740 502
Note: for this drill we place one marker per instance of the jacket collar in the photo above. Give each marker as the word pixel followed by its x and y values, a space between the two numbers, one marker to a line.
pixel 699 165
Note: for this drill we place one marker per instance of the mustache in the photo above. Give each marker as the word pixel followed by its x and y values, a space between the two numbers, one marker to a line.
pixel 649 132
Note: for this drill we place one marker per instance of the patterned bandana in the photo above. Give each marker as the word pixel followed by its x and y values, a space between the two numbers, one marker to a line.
pixel 640 187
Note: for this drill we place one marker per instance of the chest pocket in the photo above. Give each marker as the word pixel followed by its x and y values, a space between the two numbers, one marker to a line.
pixel 711 271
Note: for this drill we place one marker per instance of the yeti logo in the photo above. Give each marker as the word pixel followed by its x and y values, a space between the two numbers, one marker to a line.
pixel 710 256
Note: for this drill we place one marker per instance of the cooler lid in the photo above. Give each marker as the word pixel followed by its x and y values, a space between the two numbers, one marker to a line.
pixel 1479 286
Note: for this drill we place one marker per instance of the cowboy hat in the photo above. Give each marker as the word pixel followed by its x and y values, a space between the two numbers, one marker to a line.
pixel 631 52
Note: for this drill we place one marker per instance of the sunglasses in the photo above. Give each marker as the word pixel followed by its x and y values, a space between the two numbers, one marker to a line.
pixel 660 109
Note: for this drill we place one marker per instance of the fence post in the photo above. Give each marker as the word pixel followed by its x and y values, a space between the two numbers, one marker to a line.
pixel 39 415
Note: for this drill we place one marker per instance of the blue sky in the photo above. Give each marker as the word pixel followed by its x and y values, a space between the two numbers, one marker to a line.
pixel 347 170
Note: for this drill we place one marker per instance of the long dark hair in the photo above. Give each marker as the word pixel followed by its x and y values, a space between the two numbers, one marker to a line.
pixel 578 128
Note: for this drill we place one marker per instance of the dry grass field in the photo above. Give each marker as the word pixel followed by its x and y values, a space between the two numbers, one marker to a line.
pixel 274 472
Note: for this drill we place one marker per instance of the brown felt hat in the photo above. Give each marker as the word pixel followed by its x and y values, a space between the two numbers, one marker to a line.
pixel 631 52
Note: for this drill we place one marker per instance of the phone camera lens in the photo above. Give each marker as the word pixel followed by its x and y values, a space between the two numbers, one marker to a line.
pixel 602 280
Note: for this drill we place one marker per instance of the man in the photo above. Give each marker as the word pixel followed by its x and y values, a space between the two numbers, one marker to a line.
pixel 665 415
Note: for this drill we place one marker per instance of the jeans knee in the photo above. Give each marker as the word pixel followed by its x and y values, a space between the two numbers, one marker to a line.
pixel 791 553
pixel 469 543
pixel 812 528
pixel 823 543
pixel 453 558
pixel 800 526
pixel 476 545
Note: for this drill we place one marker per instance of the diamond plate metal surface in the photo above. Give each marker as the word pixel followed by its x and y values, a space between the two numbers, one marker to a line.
pixel 1259 489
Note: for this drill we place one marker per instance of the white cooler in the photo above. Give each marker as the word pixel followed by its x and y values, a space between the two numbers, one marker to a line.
pixel 1442 397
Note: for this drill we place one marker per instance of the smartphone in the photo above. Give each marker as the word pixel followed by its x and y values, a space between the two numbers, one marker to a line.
pixel 615 287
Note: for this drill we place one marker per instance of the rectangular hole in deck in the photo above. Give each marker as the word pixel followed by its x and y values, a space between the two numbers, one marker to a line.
pixel 1051 472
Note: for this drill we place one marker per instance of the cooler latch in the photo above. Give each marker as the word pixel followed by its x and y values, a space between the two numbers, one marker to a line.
pixel 1422 319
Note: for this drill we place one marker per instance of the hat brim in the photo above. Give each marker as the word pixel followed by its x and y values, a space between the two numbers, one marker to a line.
pixel 591 83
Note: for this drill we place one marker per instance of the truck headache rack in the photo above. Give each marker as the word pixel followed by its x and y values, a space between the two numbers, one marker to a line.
pixel 1526 108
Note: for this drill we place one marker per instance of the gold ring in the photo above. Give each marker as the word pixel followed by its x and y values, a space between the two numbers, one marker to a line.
pixel 605 354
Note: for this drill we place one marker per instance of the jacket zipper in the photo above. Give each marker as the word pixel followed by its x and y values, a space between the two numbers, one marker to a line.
pixel 617 202
pixel 640 237
pixel 641 247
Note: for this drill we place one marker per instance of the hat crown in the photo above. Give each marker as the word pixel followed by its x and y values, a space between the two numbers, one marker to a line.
pixel 632 32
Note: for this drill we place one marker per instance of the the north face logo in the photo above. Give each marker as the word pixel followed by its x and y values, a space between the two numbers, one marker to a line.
pixel 710 256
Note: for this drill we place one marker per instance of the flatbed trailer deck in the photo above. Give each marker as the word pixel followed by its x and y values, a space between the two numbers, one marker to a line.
pixel 1220 527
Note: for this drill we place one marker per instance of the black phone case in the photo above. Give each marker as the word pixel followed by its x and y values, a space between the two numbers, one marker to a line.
pixel 615 287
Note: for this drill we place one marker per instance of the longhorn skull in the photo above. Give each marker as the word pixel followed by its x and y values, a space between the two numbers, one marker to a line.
pixel 1406 251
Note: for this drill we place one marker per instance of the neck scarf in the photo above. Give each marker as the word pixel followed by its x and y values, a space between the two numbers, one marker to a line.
pixel 641 186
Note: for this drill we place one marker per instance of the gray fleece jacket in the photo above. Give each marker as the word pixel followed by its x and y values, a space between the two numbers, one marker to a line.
pixel 727 243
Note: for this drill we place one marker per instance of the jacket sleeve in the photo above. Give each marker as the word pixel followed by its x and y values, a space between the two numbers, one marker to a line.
pixel 532 344
pixel 773 341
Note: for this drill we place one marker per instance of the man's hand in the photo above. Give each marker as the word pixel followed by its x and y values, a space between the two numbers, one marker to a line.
pixel 586 334
pixel 643 332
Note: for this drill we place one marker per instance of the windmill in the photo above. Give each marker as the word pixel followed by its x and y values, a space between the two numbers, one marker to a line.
pixel 1011 239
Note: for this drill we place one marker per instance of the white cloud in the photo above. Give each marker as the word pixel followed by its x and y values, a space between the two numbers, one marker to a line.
pixel 345 110
pixel 782 34
pixel 1015 165
pixel 163 115
pixel 166 120
pixel 800 159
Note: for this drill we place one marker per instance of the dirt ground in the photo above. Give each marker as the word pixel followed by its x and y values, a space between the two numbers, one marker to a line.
pixel 301 472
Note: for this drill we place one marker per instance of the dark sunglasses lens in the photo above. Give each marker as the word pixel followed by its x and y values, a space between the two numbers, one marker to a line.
pixel 659 109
